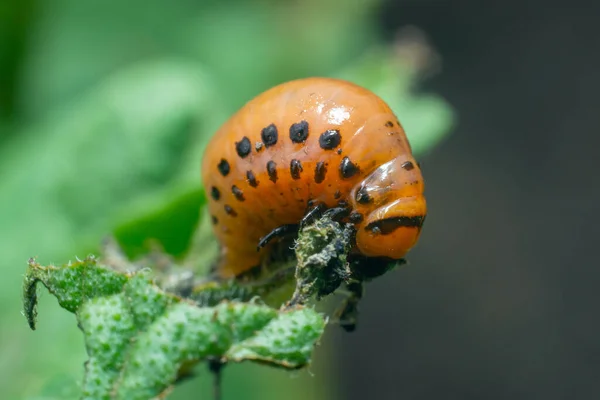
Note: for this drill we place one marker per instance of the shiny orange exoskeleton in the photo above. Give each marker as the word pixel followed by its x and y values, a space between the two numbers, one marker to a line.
pixel 306 142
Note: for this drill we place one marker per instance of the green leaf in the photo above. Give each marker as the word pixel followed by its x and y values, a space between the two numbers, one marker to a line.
pixel 171 225
pixel 138 337
pixel 71 285
pixel 133 142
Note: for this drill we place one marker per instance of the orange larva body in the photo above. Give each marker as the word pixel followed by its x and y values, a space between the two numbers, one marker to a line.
pixel 310 141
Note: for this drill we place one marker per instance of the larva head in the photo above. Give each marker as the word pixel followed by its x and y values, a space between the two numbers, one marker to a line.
pixel 393 207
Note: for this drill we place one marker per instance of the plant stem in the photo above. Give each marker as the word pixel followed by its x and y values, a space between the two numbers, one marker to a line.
pixel 215 367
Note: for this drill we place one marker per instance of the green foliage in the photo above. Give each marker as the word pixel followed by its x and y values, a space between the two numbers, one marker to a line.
pixel 139 338
pixel 171 226
pixel 109 153
pixel 71 285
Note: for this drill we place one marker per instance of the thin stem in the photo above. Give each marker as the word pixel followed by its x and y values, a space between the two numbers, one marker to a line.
pixel 215 367
pixel 297 298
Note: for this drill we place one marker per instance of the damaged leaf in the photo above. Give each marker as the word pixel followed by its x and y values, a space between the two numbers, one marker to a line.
pixel 139 337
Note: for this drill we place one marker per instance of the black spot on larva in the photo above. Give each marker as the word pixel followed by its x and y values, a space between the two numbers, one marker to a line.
pixel 272 170
pixel 299 132
pixel 337 194
pixel 269 135
pixel 230 211
pixel 237 192
pixel 330 139
pixel 214 193
pixel 258 146
pixel 347 168
pixel 389 225
pixel 223 167
pixel 389 124
pixel 251 179
pixel 243 147
pixel 362 196
pixel 320 171
pixel 355 217
pixel 339 151
pixel 407 165
pixel 295 168
pixel 214 219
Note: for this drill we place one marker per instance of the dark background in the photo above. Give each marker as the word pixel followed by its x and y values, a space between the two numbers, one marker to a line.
pixel 500 300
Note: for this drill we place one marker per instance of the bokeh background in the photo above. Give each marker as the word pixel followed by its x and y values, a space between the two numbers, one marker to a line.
pixel 105 106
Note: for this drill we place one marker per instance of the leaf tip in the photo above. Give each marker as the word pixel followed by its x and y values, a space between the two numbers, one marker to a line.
pixel 30 293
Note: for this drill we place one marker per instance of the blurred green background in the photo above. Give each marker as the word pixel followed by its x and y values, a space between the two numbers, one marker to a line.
pixel 105 107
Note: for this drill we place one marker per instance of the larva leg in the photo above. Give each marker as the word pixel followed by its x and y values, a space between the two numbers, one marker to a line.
pixel 347 313
pixel 312 215
pixel 337 213
pixel 319 211
pixel 279 232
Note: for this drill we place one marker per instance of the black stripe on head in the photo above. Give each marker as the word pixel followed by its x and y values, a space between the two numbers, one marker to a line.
pixel 389 225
